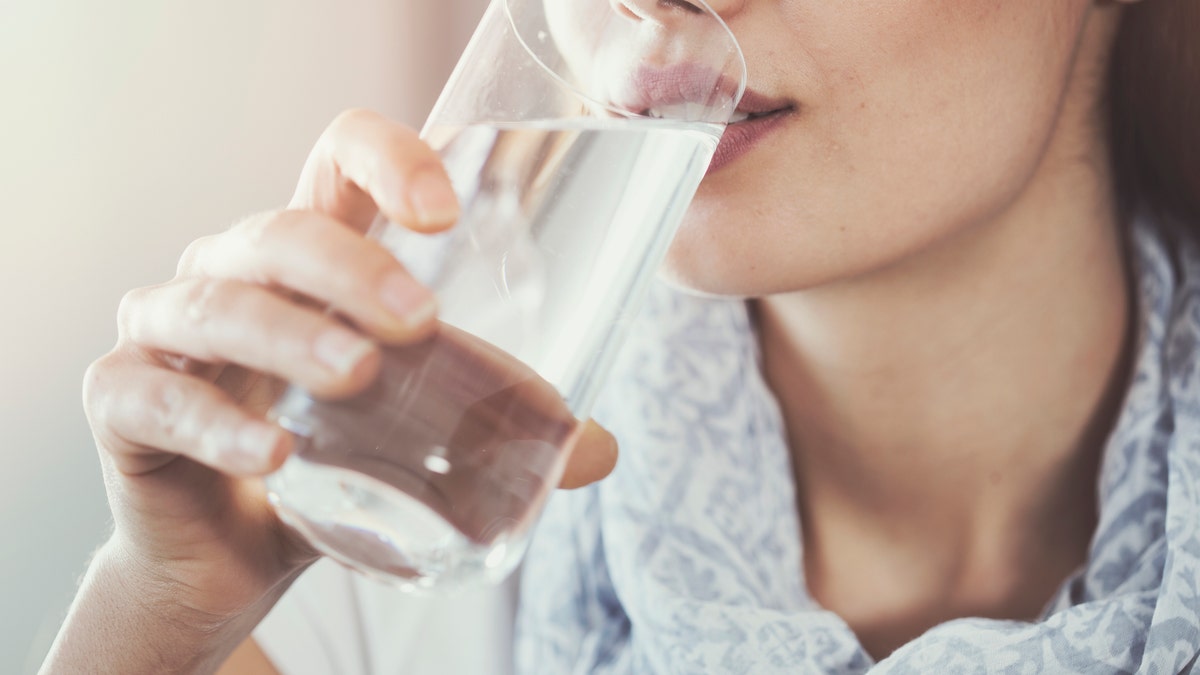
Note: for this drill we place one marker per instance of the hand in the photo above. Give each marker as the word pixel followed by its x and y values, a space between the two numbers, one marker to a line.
pixel 177 406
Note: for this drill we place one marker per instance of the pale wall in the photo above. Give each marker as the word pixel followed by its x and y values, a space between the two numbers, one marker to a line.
pixel 126 130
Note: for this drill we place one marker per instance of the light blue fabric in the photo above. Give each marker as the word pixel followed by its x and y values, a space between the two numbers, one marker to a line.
pixel 688 559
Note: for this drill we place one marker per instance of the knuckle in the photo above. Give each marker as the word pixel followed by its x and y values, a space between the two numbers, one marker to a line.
pixel 278 240
pixel 350 119
pixel 407 156
pixel 190 259
pixel 410 159
pixel 371 268
pixel 107 400
pixel 361 278
pixel 383 270
pixel 205 299
pixel 260 230
pixel 165 404
pixel 128 312
pixel 95 385
pixel 392 152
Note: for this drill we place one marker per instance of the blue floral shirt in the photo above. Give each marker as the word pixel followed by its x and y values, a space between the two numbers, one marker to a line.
pixel 688 559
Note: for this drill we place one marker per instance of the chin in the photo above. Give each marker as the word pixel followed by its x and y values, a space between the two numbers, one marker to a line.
pixel 733 264
pixel 717 253
pixel 712 270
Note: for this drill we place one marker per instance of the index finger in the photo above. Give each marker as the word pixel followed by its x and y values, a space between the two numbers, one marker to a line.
pixel 364 164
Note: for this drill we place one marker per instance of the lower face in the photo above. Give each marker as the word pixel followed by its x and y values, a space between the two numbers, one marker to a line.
pixel 907 122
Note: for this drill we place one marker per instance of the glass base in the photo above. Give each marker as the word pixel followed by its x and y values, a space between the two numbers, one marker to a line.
pixel 375 529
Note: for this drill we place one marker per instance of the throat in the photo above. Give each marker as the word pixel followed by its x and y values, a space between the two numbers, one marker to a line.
pixel 891 582
pixel 946 433
pixel 906 526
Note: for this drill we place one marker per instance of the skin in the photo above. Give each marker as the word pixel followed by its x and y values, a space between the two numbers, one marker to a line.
pixel 943 298
pixel 198 556
pixel 936 266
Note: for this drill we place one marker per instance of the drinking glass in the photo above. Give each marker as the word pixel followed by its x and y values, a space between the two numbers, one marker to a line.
pixel 575 132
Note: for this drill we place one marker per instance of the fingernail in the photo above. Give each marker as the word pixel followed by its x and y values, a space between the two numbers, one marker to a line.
pixel 255 444
pixel 408 300
pixel 432 199
pixel 341 350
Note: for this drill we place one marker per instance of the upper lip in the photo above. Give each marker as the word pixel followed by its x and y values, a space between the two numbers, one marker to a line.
pixel 756 103
pixel 656 88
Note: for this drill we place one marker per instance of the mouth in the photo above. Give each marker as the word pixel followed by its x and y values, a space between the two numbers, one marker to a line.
pixel 755 105
pixel 741 116
pixel 686 92
pixel 755 118
pixel 693 93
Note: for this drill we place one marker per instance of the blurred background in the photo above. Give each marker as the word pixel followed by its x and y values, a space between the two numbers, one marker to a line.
pixel 127 130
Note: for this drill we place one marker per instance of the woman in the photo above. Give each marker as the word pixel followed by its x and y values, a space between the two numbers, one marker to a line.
pixel 973 310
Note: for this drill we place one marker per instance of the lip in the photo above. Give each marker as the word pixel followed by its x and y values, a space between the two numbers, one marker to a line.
pixel 755 103
pixel 683 83
pixel 741 137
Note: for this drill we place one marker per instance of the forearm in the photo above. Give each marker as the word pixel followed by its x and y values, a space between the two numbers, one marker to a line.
pixel 125 621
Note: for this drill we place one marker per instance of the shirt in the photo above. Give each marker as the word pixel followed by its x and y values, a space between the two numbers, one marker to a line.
pixel 688 559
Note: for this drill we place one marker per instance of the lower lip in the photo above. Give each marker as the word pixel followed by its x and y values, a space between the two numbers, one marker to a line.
pixel 741 137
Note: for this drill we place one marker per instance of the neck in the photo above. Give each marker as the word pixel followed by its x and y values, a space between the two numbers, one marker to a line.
pixel 953 406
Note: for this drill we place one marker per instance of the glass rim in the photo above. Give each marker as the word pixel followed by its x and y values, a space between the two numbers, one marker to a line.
pixel 738 54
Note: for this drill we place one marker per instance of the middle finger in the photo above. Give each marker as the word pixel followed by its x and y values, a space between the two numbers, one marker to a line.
pixel 321 258
pixel 229 321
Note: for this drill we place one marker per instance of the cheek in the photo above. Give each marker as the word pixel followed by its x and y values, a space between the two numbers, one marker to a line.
pixel 918 119
pixel 951 89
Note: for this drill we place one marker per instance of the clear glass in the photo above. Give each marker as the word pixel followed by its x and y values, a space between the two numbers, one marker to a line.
pixel 576 133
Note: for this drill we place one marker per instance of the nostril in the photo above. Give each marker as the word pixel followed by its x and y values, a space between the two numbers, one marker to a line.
pixel 624 10
pixel 680 4
pixel 646 9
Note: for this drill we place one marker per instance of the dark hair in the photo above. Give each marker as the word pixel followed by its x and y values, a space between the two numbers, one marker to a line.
pixel 1155 113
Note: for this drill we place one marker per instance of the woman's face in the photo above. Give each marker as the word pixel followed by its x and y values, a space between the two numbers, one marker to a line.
pixel 910 120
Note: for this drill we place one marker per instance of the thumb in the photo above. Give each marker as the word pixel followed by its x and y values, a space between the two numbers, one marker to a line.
pixel 592 458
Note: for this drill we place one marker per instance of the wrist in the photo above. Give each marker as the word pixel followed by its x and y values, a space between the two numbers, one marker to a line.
pixel 208 589
pixel 133 616
pixel 161 592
